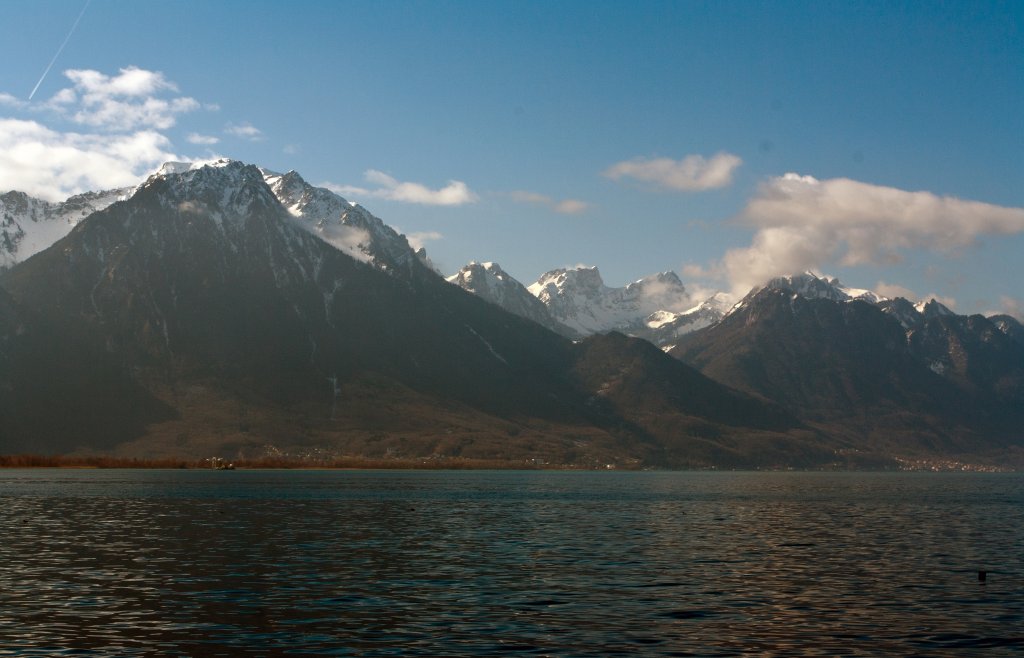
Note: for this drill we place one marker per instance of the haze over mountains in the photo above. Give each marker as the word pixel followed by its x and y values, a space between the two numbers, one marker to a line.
pixel 227 309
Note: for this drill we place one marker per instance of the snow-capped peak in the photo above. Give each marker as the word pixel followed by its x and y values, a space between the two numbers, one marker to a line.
pixel 932 309
pixel 578 298
pixel 487 273
pixel 902 310
pixel 488 281
pixel 811 286
pixel 719 302
pixel 226 188
pixel 347 226
pixel 666 326
pixel 582 280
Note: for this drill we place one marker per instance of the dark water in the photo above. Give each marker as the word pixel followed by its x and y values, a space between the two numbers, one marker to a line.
pixel 505 563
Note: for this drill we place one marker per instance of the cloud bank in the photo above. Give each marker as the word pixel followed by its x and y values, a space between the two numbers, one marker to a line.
pixel 804 223
pixel 456 193
pixel 694 173
pixel 54 165
pixel 121 120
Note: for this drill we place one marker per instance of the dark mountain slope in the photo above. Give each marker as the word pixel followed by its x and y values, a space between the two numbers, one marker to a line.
pixel 62 390
pixel 721 426
pixel 852 370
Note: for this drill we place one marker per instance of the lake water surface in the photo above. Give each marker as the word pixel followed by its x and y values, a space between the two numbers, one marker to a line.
pixel 374 563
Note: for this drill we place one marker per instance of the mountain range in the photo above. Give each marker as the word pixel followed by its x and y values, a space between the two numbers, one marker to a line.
pixel 221 308
pixel 576 302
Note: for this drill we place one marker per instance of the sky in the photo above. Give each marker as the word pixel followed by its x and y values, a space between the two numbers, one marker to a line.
pixel 882 143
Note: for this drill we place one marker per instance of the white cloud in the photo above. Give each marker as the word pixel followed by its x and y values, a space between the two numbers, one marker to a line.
pixel 564 206
pixel 695 271
pixel 894 290
pixel 244 130
pixel 803 223
pixel 207 140
pixel 419 239
pixel 694 173
pixel 133 99
pixel 349 239
pixel 120 138
pixel 54 165
pixel 12 101
pixel 456 193
pixel 661 295
pixel 132 82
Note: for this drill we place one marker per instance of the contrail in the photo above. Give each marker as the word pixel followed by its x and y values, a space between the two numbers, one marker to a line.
pixel 59 50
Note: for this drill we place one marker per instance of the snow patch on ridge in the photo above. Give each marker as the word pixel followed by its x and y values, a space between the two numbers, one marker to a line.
pixel 345 225
pixel 29 225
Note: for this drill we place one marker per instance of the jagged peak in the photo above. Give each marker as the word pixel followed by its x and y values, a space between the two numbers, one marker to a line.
pixel 221 185
pixel 668 277
pixel 932 309
pixel 901 309
pixel 475 275
pixel 719 302
pixel 172 168
pixel 344 224
pixel 809 285
pixel 477 267
pixel 582 277
pixel 221 169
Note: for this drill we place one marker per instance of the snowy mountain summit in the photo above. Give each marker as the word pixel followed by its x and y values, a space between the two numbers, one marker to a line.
pixel 29 225
pixel 490 282
pixel 578 298
pixel 344 224
pixel 810 286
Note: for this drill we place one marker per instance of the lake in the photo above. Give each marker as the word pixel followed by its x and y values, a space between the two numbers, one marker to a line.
pixel 497 563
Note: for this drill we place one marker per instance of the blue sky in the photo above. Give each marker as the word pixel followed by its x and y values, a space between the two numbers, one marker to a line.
pixel 638 137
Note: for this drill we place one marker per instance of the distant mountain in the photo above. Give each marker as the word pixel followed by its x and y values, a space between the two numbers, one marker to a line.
pixel 491 283
pixel 211 318
pixel 664 328
pixel 575 302
pixel 579 299
pixel 889 376
pixel 28 225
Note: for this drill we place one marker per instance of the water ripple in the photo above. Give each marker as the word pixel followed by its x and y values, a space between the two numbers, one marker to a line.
pixel 554 564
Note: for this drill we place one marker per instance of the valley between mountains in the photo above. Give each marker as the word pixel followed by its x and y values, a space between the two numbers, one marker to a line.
pixel 223 309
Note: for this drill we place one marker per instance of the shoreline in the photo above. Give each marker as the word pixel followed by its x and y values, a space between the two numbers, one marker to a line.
pixel 449 464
